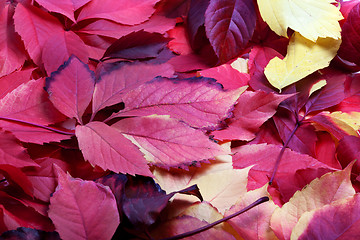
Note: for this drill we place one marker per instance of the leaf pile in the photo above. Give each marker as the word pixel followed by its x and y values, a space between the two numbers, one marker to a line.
pixel 162 119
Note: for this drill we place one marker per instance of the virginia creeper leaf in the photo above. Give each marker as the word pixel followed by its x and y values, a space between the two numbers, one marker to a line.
pixel 199 102
pixel 320 192
pixel 122 11
pixel 107 148
pixel 179 42
pixel 71 88
pixel 252 110
pixel 22 233
pixel 253 224
pixel 137 45
pixel 303 58
pixel 59 47
pixel 67 7
pixel 311 20
pixel 229 26
pixel 35 26
pixel 13 80
pixel 112 85
pixel 83 209
pixel 29 103
pixel 348 150
pixel 339 220
pixel 166 142
pixel 350 47
pixel 12 51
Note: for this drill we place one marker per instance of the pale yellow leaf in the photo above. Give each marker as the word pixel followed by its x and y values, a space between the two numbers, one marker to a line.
pixel 241 65
pixel 303 58
pixel 349 122
pixel 312 19
pixel 317 86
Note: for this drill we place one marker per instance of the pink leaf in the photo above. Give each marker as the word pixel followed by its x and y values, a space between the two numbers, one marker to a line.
pixel 229 77
pixel 59 47
pixel 348 150
pixel 107 148
pixel 35 26
pixel 65 7
pixel 13 80
pixel 252 110
pixel 83 209
pixel 12 153
pixel 29 103
pixel 199 102
pixel 12 50
pixel 112 85
pixel 350 45
pixel 229 26
pixel 71 87
pixel 156 24
pixel 168 142
pixel 121 11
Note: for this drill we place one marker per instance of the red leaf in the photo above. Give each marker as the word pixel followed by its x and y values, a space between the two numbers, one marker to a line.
pixel 65 7
pixel 13 80
pixel 180 43
pixel 252 110
pixel 29 103
pixel 348 150
pixel 229 77
pixel 71 87
pixel 263 157
pixel 12 153
pixel 100 145
pixel 16 176
pixel 83 209
pixel 326 150
pixel 121 11
pixel 137 45
pixel 167 142
pixel 304 138
pixel 327 123
pixel 199 102
pixel 229 26
pixel 12 50
pixel 59 47
pixel 112 85
pixel 35 26
pixel 102 27
pixel 350 45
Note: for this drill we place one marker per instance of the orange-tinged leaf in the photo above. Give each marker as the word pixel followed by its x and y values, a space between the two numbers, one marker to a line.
pixel 339 220
pixel 320 192
pixel 255 223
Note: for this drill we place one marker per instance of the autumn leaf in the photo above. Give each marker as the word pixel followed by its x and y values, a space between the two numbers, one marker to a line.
pixel 73 213
pixel 310 20
pixel 303 58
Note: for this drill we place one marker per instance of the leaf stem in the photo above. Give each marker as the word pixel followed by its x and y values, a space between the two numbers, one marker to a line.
pixel 206 227
pixel 37 125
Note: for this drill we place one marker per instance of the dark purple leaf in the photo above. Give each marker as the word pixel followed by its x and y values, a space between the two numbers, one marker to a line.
pixel 22 233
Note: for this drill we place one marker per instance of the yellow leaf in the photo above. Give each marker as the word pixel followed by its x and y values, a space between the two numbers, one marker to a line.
pixel 303 58
pixel 312 19
pixel 349 122
pixel 317 86
pixel 241 65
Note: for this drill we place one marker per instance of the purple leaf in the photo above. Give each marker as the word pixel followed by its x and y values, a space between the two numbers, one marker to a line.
pixel 199 102
pixel 168 142
pixel 71 88
pixel 22 233
pixel 229 26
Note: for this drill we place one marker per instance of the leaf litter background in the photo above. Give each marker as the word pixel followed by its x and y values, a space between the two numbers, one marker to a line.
pixel 148 119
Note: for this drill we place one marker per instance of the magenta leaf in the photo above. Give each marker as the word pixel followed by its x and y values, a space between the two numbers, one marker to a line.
pixel 13 80
pixel 71 88
pixel 137 45
pixel 304 138
pixel 229 26
pixel 168 142
pixel 350 45
pixel 112 85
pixel 22 233
pixel 252 110
pixel 29 103
pixel 35 26
pixel 199 102
pixel 12 50
pixel 107 148
pixel 65 7
pixel 121 11
pixel 83 209
pixel 144 200
pixel 59 47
